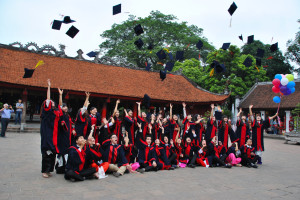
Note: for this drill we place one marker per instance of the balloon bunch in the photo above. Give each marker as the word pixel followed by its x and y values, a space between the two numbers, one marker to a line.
pixel 284 85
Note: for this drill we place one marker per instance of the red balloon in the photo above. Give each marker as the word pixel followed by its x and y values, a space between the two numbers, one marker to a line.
pixel 275 89
pixel 276 82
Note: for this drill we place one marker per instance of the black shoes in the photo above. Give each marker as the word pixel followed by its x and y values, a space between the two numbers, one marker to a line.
pixel 116 174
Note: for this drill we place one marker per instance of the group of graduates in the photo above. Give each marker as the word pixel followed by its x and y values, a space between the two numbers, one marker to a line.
pixel 118 145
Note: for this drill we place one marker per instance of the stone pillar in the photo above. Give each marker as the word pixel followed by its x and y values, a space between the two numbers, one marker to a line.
pixel 24 100
pixel 263 114
pixel 287 121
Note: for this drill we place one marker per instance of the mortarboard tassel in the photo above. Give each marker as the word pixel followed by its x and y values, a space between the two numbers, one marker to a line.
pixel 212 72
pixel 269 58
pixel 39 63
pixel 188 46
pixel 160 63
pixel 166 50
pixel 257 68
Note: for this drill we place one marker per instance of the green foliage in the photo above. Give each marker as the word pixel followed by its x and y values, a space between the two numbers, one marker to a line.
pixel 293 50
pixel 296 111
pixel 277 65
pixel 161 30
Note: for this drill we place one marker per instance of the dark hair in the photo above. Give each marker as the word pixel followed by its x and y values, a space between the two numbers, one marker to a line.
pixel 204 149
pixel 85 115
pixel 128 110
pixel 77 137
pixel 148 136
pixel 233 145
pixel 195 117
pixel 92 108
pixel 112 135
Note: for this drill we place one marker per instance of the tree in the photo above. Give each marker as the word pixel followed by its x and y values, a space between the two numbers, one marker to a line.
pixel 273 62
pixel 159 29
pixel 293 50
pixel 237 78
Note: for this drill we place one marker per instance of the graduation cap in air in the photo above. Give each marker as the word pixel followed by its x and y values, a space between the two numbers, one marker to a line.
pixel 179 55
pixel 219 68
pixel 170 56
pixel 218 115
pixel 225 46
pixel 250 39
pixel 258 61
pixel 56 25
pixel 161 54
pixel 116 9
pixel 274 47
pixel 150 46
pixel 139 43
pixel 241 37
pixel 67 20
pixel 162 74
pixel 232 8
pixel 248 62
pixel 147 101
pixel 260 53
pixel 169 66
pixel 92 54
pixel 29 72
pixel 148 66
pixel 199 44
pixel 72 32
pixel 138 30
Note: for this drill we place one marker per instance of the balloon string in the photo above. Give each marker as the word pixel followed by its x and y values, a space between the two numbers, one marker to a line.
pixel 279 105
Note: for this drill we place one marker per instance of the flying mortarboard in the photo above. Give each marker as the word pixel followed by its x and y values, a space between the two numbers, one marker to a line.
pixel 28 73
pixel 139 43
pixel 169 66
pixel 250 39
pixel 232 8
pixel 260 53
pixel 220 68
pixel 56 25
pixel 162 74
pixel 274 47
pixel 91 54
pixel 116 9
pixel 241 37
pixel 147 101
pixel 72 32
pixel 225 46
pixel 199 45
pixel 67 20
pixel 161 54
pixel 179 55
pixel 218 115
pixel 248 62
pixel 138 30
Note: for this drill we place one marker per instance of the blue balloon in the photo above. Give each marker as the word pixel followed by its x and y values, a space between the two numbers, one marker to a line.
pixel 291 84
pixel 278 76
pixel 276 99
pixel 292 90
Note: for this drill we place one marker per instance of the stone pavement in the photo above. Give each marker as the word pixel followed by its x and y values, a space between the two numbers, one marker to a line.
pixel 277 178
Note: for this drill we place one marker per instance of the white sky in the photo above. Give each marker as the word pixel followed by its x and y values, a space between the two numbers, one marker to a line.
pixel 29 20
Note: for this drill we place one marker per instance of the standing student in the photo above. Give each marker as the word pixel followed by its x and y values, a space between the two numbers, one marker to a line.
pixel 49 131
pixel 174 127
pixel 129 124
pixel 19 110
pixel 65 137
pixel 199 129
pixel 225 131
pixel 211 129
pixel 142 119
pixel 258 127
pixel 118 123
pixel 187 122
pixel 5 117
pixel 242 131
pixel 94 119
pixel 82 122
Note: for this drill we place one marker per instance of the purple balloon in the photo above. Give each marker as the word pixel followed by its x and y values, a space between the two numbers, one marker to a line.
pixel 283 89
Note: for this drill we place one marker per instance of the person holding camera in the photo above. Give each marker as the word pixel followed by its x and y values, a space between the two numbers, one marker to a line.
pixel 5 117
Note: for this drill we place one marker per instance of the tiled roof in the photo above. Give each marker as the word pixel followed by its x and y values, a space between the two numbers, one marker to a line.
pixel 76 75
pixel 261 96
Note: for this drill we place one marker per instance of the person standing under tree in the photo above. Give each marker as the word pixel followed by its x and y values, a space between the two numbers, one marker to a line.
pixel 19 110
pixel 5 117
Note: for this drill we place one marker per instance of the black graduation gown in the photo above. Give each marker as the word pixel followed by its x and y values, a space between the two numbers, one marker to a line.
pixel 144 127
pixel 49 128
pixel 258 134
pixel 146 153
pixel 211 130
pixel 242 132
pixel 129 124
pixel 224 132
pixel 118 129
pixel 161 157
pixel 114 154
pixel 76 159
pixel 189 133
pixel 64 140
pixel 82 125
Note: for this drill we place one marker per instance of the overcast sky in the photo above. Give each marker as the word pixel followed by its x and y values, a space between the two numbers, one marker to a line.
pixel 29 20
